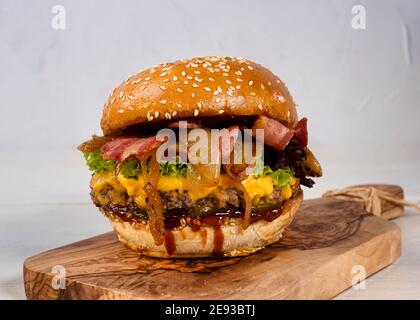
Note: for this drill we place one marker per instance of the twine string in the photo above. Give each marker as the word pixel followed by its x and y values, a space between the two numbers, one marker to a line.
pixel 370 197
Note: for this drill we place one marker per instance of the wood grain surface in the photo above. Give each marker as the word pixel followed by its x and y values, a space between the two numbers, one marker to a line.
pixel 315 260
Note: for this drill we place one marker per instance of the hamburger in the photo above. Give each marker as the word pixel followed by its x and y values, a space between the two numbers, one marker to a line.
pixel 186 209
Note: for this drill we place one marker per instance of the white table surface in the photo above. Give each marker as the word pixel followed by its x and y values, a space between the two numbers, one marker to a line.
pixel 44 203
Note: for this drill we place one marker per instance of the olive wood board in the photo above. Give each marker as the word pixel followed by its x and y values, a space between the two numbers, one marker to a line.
pixel 316 260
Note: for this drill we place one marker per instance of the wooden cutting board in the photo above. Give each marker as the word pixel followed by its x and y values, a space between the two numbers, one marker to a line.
pixel 324 250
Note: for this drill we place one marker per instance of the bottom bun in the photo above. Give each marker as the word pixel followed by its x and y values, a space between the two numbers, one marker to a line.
pixel 232 240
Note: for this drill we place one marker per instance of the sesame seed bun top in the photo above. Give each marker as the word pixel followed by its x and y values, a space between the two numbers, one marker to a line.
pixel 198 87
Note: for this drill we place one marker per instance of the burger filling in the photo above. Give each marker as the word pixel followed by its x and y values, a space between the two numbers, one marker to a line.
pixel 130 184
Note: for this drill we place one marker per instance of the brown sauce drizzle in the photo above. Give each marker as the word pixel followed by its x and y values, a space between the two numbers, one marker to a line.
pixel 170 242
pixel 173 220
pixel 203 237
pixel 215 222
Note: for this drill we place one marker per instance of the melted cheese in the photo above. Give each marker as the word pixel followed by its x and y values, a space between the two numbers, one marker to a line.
pixel 116 192
pixel 257 188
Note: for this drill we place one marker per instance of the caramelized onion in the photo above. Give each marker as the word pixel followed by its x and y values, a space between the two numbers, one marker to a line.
pixel 154 205
pixel 206 174
pixel 312 167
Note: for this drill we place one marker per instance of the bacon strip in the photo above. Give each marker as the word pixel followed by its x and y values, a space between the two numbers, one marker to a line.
pixel 301 132
pixel 278 135
pixel 121 148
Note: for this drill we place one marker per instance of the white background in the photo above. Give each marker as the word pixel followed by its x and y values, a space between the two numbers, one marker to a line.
pixel 360 90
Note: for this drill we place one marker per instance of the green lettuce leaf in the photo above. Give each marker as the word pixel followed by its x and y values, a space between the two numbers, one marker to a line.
pixel 132 168
pixel 281 176
pixel 97 164
pixel 173 169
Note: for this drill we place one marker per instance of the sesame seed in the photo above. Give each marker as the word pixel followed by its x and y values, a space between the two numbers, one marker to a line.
pixel 174 114
pixel 238 72
pixel 147 79
pixel 162 87
pixel 250 82
pixel 153 70
pixel 166 80
pixel 193 94
pixel 211 79
pixel 179 105
pixel 163 101
pixel 269 83
pixel 136 81
pixel 260 107
pixel 195 85
pixel 230 93
pixel 207 89
pixel 179 90
pixel 130 107
pixel 142 87
pixel 175 78
pixel 238 87
pixel 198 79
pixel 167 115
pixel 218 100
pixel 186 81
pixel 199 105
pixel 163 74
pixel 239 79
pixel 156 114
pixel 278 80
pixel 189 77
pixel 197 72
pixel 228 82
pixel 130 97
pixel 121 111
pixel 250 68
pixel 225 74
pixel 282 99
pixel 121 94
pixel 232 88
pixel 183 73
pixel 196 112
pixel 262 86
pixel 221 111
pixel 252 93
